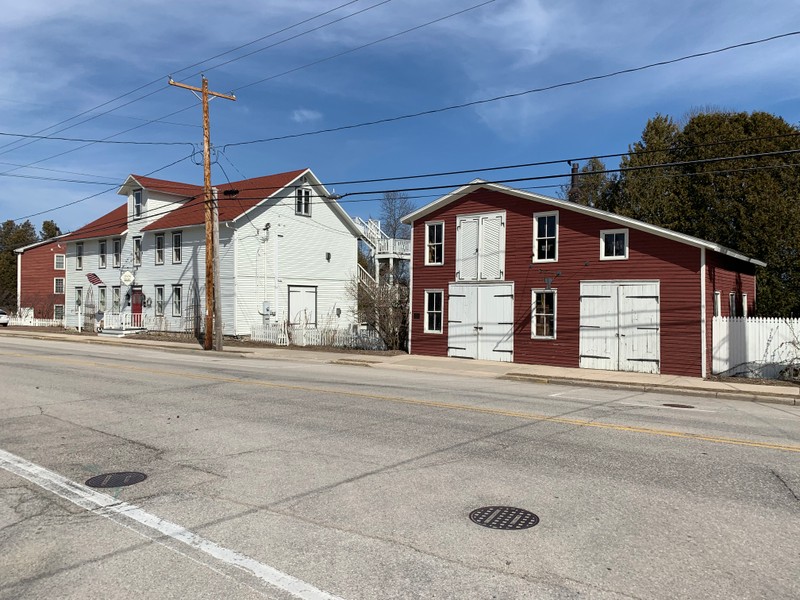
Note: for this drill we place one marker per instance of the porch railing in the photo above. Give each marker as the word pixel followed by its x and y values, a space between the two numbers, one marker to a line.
pixel 124 321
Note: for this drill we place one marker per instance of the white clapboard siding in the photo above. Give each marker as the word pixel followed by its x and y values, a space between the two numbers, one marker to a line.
pixel 760 347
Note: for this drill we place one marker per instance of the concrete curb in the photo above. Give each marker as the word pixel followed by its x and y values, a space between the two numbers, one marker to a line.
pixel 641 387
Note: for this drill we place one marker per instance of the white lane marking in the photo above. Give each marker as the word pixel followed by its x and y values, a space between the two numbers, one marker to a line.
pixel 106 506
pixel 669 407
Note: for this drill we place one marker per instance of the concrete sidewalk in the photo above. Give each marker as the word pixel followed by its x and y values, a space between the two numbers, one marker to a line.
pixel 739 390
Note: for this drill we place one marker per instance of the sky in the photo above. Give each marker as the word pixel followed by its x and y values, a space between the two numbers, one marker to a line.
pixel 91 70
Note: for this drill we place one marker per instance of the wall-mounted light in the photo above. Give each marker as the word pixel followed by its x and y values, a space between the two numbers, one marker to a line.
pixel 338 312
pixel 328 256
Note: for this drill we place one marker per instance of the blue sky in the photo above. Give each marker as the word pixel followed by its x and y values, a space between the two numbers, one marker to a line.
pixel 58 62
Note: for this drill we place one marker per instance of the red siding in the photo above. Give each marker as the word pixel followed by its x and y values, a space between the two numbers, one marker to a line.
pixel 37 274
pixel 676 266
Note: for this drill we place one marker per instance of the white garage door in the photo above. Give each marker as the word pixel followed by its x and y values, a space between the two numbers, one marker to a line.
pixel 481 321
pixel 619 326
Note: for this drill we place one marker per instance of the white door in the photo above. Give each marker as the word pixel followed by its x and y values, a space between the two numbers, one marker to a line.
pixel 619 326
pixel 303 305
pixel 481 321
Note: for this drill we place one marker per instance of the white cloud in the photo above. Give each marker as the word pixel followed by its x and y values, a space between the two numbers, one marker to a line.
pixel 303 115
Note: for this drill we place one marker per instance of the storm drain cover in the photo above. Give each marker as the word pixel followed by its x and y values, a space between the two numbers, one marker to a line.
pixel 114 480
pixel 503 517
pixel 672 405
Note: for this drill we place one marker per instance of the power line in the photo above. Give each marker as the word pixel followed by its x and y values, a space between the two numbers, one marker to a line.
pixel 160 79
pixel 102 141
pixel 514 94
pixel 351 50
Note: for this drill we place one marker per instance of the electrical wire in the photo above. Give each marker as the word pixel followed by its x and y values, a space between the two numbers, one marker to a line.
pixel 101 141
pixel 514 94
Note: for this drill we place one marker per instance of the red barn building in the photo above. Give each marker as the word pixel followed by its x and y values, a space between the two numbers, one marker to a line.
pixel 509 275
pixel 41 279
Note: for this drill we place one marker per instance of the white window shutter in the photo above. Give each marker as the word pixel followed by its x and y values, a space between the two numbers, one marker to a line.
pixel 467 249
pixel 492 255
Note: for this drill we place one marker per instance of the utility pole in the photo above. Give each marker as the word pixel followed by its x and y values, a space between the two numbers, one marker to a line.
pixel 212 230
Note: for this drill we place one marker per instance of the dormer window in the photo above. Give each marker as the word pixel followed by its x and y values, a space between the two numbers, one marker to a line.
pixel 302 205
pixel 137 203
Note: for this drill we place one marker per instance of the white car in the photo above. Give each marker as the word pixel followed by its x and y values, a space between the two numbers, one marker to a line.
pixel 4 320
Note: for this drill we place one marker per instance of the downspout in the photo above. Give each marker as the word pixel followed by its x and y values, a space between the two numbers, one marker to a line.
pixel 411 291
pixel 703 338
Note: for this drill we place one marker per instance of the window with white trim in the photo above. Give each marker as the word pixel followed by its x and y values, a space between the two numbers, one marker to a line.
pixel 545 236
pixel 744 305
pixel 177 241
pixel 78 298
pixel 159 300
pixel 117 258
pixel 614 244
pixel 176 301
pixel 78 256
pixel 302 202
pixel 58 285
pixel 434 243
pixel 59 262
pixel 58 311
pixel 137 251
pixel 115 299
pixel 717 304
pixel 543 314
pixel 434 302
pixel 101 298
pixel 101 254
pixel 732 304
pixel 137 203
pixel 159 248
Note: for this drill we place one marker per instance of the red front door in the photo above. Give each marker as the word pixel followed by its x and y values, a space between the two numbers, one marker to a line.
pixel 136 307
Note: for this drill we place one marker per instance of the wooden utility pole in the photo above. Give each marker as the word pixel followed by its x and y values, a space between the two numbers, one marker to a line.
pixel 212 230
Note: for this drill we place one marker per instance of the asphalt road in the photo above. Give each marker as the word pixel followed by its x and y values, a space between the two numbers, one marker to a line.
pixel 288 479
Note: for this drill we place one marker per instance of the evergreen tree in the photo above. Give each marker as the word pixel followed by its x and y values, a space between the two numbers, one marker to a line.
pixel 12 236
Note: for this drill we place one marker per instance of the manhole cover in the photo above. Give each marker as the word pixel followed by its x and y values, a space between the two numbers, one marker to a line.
pixel 503 517
pixel 672 405
pixel 114 480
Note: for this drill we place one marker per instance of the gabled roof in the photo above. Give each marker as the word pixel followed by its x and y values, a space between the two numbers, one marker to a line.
pixel 111 224
pixel 251 193
pixel 51 240
pixel 579 208
pixel 176 188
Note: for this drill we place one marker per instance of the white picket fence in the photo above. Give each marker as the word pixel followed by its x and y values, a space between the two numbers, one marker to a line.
pixel 31 322
pixel 756 347
pixel 283 334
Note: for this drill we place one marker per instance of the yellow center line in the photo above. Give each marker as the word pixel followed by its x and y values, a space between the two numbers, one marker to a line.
pixel 417 402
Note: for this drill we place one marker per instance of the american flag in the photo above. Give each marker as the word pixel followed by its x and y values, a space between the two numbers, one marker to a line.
pixel 94 279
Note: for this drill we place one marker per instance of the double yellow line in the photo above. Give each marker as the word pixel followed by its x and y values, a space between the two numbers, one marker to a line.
pixel 427 403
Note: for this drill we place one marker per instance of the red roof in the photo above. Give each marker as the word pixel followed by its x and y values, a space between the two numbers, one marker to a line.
pixel 113 223
pixel 251 193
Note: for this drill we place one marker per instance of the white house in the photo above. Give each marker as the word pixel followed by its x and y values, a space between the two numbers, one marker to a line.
pixel 287 253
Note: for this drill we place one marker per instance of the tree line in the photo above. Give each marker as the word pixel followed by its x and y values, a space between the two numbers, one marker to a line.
pixel 747 204
pixel 12 237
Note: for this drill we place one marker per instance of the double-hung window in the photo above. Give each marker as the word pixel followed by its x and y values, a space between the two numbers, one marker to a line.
pixel 137 203
pixel 434 243
pixel 137 251
pixel 115 299
pixel 302 203
pixel 117 258
pixel 101 298
pixel 59 263
pixel 78 299
pixel 543 323
pixel 176 301
pixel 160 249
pixel 101 254
pixel 614 244
pixel 434 302
pixel 58 285
pixel 159 300
pixel 545 237
pixel 78 256
pixel 176 246
pixel 58 311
